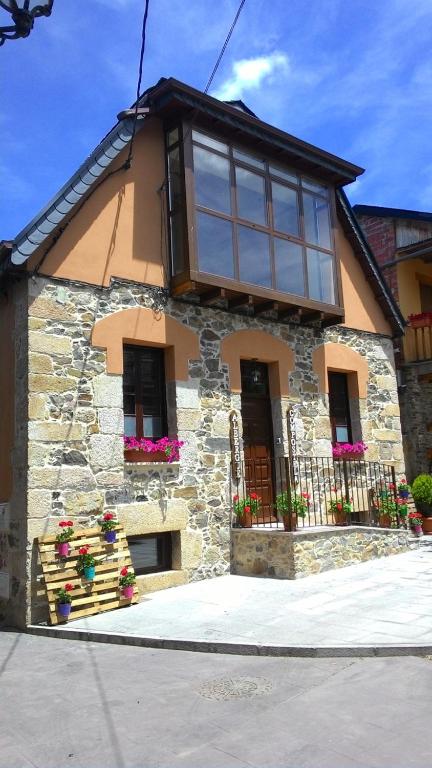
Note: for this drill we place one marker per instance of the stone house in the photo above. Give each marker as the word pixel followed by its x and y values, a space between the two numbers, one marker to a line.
pixel 401 241
pixel 161 290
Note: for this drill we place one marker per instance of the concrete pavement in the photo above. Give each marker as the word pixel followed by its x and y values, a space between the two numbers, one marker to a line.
pixel 91 705
pixel 381 606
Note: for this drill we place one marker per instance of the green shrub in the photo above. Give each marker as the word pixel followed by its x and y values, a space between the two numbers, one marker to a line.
pixel 421 489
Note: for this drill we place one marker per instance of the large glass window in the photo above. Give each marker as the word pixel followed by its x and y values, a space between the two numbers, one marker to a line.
pixel 260 223
pixel 144 401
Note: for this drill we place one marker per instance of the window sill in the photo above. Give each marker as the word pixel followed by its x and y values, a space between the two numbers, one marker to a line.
pixel 151 464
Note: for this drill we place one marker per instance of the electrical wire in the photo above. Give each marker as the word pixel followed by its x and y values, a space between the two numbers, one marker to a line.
pixel 224 47
pixel 140 71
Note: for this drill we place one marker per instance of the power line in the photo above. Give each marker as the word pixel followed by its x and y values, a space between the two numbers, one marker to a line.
pixel 224 47
pixel 140 71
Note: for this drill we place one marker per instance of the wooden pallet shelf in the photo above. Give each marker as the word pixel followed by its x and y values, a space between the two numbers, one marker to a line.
pixel 88 597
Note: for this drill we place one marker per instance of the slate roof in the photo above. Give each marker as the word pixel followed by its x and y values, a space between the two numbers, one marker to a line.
pixel 391 213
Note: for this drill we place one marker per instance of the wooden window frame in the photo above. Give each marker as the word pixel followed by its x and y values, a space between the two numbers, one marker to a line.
pixel 139 406
pixel 192 271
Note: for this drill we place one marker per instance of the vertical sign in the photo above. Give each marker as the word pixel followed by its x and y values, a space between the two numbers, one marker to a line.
pixel 235 445
pixel 292 442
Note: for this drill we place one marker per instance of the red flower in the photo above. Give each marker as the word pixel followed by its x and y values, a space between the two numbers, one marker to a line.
pixel 69 523
pixel 124 571
pixel 108 516
pixel 69 587
pixel 339 506
pixel 247 509
pixel 305 495
pixel 391 486
pixel 235 498
pixel 254 496
pixel 62 523
pixel 83 550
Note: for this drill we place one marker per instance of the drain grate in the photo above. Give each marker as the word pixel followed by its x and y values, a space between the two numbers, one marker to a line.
pixel 227 688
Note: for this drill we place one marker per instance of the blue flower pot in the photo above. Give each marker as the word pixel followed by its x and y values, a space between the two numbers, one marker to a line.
pixel 64 609
pixel 110 536
pixel 89 572
pixel 404 494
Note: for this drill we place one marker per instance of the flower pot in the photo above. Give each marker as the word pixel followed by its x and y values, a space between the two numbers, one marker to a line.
pixel 286 522
pixel 89 572
pixel 339 517
pixel 427 525
pixel 63 548
pixel 246 519
pixel 144 456
pixel 64 609
pixel 404 495
pixel 418 530
pixel 128 592
pixel 384 521
pixel 110 536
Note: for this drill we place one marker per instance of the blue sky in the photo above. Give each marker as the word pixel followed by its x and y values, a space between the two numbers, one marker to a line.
pixel 351 76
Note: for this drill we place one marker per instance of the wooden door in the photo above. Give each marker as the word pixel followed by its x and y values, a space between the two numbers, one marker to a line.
pixel 258 436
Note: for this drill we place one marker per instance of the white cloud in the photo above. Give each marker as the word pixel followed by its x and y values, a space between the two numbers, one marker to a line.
pixel 249 75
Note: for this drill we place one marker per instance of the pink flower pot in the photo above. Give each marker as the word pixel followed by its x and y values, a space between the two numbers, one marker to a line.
pixel 418 530
pixel 63 548
pixel 128 592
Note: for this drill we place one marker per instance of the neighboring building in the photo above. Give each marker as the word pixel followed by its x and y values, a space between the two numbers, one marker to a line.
pixel 150 306
pixel 402 244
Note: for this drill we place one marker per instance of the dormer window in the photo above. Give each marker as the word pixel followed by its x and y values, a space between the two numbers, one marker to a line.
pixel 252 223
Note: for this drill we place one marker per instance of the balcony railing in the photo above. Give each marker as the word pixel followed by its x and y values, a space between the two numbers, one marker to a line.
pixel 324 483
pixel 418 343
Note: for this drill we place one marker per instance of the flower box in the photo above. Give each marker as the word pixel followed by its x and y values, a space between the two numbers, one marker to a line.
pixel 421 320
pixel 145 456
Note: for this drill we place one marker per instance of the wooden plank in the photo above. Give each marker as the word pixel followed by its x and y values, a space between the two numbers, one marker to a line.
pixel 120 603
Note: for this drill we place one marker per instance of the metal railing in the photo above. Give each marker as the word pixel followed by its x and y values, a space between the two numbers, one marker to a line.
pixel 327 486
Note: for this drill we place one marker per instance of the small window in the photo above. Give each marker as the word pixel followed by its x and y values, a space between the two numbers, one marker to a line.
pixel 144 400
pixel 339 408
pixel 151 553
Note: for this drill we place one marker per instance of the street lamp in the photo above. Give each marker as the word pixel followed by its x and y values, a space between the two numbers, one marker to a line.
pixel 23 17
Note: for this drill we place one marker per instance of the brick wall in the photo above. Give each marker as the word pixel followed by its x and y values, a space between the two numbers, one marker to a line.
pixel 381 236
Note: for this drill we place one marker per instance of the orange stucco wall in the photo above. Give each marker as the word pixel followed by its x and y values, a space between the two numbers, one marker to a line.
pixel 117 233
pixel 143 326
pixel 6 395
pixel 242 345
pixel 362 310
pixel 338 357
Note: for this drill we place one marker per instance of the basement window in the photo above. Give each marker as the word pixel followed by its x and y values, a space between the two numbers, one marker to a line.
pixel 151 553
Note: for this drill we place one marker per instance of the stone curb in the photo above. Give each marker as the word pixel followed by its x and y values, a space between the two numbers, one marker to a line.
pixel 238 649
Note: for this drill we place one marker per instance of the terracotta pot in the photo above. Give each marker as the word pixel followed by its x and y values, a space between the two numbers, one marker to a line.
pixel 339 517
pixel 246 519
pixel 144 457
pixel 286 522
pixel 385 521
pixel 427 525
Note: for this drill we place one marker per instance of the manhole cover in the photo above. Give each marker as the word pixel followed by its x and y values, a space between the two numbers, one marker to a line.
pixel 235 688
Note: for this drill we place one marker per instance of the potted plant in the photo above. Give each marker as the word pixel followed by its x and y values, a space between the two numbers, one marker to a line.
pixel 415 521
pixel 127 581
pixel 64 537
pixel 403 489
pixel 64 600
pixel 86 563
pixel 349 451
pixel 108 524
pixel 246 508
pixel 299 508
pixel 421 490
pixel 402 510
pixel 143 450
pixel 387 509
pixel 341 509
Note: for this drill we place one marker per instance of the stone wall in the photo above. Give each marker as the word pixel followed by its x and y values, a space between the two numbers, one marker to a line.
pixel 280 555
pixel 75 451
pixel 416 413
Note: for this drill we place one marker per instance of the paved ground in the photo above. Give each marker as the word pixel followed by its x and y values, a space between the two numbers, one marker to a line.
pixel 91 705
pixel 382 602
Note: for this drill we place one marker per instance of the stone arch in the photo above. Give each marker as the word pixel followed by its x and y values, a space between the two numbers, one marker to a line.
pixel 343 359
pixel 145 327
pixel 248 345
